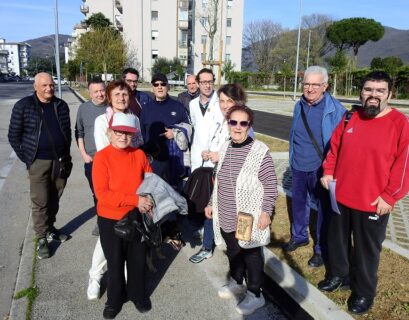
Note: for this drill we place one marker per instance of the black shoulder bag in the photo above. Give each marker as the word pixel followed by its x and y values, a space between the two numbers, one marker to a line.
pixel 64 163
pixel 307 127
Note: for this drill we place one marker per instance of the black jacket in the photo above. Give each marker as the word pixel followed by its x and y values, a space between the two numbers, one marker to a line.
pixel 185 98
pixel 25 126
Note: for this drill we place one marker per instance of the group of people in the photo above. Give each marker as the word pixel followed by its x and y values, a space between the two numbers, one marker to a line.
pixel 353 166
pixel 123 134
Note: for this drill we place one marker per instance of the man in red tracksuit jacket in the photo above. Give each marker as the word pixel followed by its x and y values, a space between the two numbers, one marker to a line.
pixel 368 159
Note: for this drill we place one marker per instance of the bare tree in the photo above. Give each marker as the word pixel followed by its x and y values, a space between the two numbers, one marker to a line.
pixel 262 36
pixel 209 20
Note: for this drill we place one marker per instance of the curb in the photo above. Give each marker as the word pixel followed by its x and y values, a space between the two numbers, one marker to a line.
pixel 308 297
pixel 18 309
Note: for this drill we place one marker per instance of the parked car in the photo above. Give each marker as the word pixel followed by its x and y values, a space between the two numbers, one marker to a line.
pixel 63 81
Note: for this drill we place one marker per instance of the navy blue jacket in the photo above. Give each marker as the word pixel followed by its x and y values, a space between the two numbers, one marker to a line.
pixel 25 126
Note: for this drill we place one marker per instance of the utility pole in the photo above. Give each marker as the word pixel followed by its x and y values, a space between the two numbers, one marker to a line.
pixel 57 50
pixel 308 49
pixel 298 54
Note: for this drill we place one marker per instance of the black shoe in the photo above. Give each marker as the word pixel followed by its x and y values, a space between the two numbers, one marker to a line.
pixel 358 305
pixel 292 245
pixel 316 261
pixel 333 283
pixel 110 312
pixel 143 306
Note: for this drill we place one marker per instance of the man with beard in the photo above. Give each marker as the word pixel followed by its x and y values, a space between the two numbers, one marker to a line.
pixel 139 98
pixel 368 160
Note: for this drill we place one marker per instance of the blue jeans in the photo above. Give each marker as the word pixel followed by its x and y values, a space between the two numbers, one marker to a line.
pixel 88 175
pixel 197 222
pixel 306 187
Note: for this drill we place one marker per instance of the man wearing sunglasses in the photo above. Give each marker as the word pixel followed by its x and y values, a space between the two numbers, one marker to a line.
pixel 162 120
pixel 139 99
pixel 316 115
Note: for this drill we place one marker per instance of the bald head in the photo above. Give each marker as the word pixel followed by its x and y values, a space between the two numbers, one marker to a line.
pixel 44 87
pixel 191 84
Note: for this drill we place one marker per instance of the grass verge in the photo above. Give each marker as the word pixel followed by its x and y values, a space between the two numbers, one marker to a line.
pixel 392 300
pixel 32 291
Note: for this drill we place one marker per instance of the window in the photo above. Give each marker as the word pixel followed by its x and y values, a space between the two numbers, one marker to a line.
pixel 228 22
pixel 155 34
pixel 229 3
pixel 228 40
pixel 204 39
pixel 228 57
pixel 205 3
pixel 155 15
pixel 204 21
pixel 155 53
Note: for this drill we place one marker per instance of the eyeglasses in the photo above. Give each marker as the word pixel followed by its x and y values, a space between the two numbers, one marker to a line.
pixel 313 85
pixel 131 81
pixel 377 91
pixel 157 84
pixel 243 124
pixel 121 133
pixel 204 83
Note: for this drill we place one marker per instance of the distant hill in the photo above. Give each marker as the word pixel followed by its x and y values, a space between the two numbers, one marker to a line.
pixel 44 46
pixel 395 42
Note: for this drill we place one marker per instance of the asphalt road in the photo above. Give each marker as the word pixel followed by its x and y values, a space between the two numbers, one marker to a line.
pixel 275 125
pixel 180 289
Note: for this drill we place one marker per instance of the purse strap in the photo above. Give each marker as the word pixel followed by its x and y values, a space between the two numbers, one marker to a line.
pixel 307 127
pixel 50 138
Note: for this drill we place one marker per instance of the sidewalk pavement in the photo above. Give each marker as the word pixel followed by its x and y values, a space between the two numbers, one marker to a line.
pixel 180 290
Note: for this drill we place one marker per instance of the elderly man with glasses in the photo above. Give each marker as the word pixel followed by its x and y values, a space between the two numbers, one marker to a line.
pixel 316 115
pixel 164 124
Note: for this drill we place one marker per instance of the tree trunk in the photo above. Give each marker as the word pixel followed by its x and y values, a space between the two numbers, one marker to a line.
pixel 334 91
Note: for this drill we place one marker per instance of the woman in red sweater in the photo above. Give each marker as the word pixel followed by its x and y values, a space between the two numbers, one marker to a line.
pixel 117 172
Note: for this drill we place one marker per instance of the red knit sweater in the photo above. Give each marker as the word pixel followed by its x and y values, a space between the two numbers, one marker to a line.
pixel 116 175
pixel 369 158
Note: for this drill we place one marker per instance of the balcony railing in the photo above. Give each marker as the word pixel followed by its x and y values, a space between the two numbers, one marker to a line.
pixel 182 44
pixel 118 23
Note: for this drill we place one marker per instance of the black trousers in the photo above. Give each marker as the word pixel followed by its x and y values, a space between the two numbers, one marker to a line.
pixel 118 252
pixel 242 260
pixel 354 246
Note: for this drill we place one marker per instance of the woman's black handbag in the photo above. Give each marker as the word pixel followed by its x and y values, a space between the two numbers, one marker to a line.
pixel 134 226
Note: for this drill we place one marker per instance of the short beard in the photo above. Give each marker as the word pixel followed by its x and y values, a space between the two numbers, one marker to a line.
pixel 372 111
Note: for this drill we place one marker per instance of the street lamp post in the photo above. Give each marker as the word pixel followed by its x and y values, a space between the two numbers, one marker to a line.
pixel 298 54
pixel 57 50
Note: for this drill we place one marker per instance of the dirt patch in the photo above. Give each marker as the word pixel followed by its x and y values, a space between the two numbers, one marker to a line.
pixel 392 300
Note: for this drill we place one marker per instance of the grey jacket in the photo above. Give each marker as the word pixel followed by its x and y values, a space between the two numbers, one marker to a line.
pixel 166 199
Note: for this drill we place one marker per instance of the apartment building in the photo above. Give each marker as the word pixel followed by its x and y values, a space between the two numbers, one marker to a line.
pixel 173 28
pixel 18 54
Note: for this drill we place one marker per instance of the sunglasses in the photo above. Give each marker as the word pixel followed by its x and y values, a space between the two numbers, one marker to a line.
pixel 243 124
pixel 157 84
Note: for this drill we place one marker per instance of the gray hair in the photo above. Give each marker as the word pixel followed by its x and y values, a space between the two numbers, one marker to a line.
pixel 317 69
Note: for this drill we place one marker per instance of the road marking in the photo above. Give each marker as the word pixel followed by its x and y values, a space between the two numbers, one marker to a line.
pixel 5 170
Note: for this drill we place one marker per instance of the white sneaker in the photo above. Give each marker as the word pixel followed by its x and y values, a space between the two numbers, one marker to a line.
pixel 231 289
pixel 93 289
pixel 250 303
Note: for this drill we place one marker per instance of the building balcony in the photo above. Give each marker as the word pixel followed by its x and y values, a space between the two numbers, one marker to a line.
pixel 118 5
pixel 84 9
pixel 118 23
pixel 183 24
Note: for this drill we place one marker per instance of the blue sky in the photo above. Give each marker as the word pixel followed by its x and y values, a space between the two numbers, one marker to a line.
pixel 28 19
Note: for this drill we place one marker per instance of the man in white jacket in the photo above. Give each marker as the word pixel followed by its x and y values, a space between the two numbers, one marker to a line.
pixel 205 114
pixel 206 118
